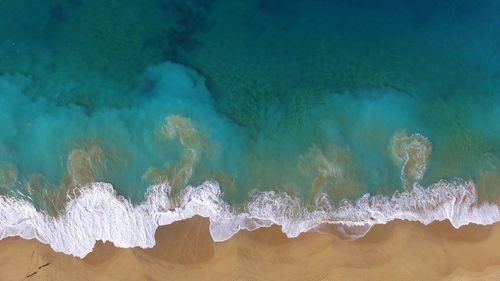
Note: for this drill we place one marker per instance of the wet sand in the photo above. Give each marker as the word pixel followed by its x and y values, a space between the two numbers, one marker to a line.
pixel 185 251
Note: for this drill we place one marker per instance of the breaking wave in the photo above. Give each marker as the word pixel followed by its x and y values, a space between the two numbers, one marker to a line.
pixel 99 213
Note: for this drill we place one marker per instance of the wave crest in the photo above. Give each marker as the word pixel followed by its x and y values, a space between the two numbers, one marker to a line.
pixel 99 213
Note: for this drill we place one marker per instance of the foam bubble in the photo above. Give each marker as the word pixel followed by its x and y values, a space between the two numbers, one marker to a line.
pixel 99 213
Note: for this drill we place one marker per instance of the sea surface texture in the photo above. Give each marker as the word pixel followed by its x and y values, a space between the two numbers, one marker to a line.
pixel 120 116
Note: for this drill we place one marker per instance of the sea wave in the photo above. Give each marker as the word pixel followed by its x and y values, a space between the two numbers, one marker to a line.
pixel 99 213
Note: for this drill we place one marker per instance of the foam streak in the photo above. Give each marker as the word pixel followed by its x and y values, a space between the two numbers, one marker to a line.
pixel 98 213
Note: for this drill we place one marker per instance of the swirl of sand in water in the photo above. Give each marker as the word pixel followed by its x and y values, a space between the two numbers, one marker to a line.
pixel 411 152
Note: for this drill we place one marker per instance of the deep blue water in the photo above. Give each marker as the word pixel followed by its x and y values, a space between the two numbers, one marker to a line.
pixel 307 97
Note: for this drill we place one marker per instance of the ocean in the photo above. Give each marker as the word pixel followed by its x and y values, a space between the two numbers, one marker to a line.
pixel 117 117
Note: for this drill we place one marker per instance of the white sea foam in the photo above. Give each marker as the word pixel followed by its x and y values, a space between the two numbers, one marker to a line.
pixel 98 213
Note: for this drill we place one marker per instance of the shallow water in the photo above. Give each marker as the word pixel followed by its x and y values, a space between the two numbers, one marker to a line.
pixel 323 100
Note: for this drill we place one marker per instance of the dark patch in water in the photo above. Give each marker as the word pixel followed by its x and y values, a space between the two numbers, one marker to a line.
pixel 147 87
pixel 75 3
pixel 56 13
pixel 181 37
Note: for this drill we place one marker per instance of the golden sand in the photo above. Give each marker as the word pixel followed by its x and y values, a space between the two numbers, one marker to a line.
pixel 185 251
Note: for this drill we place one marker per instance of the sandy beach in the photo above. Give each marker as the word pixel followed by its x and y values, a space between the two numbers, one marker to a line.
pixel 185 251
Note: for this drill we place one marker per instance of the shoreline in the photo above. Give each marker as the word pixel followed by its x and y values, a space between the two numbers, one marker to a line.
pixel 99 213
pixel 399 250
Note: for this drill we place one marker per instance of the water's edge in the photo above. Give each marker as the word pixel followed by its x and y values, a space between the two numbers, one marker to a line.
pixel 99 213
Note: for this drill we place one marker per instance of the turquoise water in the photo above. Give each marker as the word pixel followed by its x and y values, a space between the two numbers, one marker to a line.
pixel 339 98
